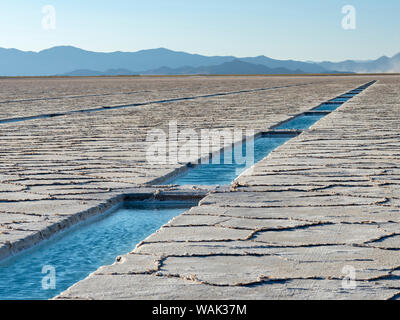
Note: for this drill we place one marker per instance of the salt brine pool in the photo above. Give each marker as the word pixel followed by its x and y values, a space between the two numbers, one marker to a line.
pixel 80 251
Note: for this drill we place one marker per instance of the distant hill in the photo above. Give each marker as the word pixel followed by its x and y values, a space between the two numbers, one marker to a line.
pixel 306 67
pixel 233 67
pixel 74 61
pixel 383 64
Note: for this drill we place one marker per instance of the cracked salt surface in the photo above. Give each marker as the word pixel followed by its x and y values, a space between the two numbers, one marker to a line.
pixel 232 226
pixel 105 108
pixel 284 231
pixel 221 173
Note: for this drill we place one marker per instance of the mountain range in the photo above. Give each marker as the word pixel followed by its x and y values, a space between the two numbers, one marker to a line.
pixel 383 64
pixel 72 61
pixel 235 66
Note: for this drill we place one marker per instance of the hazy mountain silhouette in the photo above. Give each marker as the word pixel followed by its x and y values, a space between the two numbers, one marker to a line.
pixel 233 67
pixel 382 64
pixel 288 64
pixel 66 59
pixel 75 61
pixel 59 60
pixel 92 73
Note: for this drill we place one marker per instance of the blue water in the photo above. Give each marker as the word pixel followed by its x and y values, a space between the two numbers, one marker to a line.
pixel 83 249
pixel 301 122
pixel 340 100
pixel 328 107
pixel 222 173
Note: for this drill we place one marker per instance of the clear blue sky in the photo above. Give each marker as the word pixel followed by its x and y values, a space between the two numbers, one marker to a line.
pixel 283 29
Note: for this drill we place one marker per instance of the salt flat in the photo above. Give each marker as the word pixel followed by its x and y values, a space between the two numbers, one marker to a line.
pixel 322 201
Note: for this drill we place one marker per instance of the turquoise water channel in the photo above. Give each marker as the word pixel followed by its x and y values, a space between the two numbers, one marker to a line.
pixel 301 122
pixel 231 163
pixel 75 254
